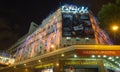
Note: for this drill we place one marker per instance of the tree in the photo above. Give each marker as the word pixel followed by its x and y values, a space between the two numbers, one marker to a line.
pixel 108 16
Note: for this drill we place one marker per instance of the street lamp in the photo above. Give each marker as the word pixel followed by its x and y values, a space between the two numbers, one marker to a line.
pixel 115 28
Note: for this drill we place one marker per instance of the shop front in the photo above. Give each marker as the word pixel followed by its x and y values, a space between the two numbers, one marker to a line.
pixel 72 66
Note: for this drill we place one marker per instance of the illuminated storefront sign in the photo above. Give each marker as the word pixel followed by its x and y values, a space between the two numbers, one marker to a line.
pixel 81 63
pixel 45 65
pixel 74 9
pixel 99 52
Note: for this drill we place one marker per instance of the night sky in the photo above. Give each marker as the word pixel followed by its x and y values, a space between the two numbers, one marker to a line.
pixel 16 15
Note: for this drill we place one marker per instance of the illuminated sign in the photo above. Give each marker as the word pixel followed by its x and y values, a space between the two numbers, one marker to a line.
pixel 99 52
pixel 81 63
pixel 45 65
pixel 74 9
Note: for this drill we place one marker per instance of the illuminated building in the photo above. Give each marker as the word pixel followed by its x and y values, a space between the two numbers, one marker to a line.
pixel 8 58
pixel 67 40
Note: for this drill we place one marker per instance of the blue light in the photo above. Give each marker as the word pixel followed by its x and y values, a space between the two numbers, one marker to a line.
pixel 74 9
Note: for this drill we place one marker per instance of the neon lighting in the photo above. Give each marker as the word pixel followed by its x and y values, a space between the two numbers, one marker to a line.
pixel 74 9
pixel 41 39
pixel 100 36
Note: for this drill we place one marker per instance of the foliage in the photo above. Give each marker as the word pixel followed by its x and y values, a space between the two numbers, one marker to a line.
pixel 108 16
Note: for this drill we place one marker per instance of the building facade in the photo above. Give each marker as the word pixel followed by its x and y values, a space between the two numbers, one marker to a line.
pixel 65 42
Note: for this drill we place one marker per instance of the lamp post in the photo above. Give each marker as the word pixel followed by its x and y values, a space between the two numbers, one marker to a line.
pixel 115 28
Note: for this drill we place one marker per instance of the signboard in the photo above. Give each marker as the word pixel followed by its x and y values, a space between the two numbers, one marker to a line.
pixel 81 63
pixel 74 9
pixel 44 65
pixel 76 25
pixel 99 52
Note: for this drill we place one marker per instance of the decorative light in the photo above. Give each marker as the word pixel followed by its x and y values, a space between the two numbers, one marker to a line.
pixel 104 64
pixel 93 56
pixel 75 55
pixel 77 38
pixel 41 36
pixel 117 57
pixel 113 60
pixel 62 55
pixel 99 56
pixel 24 64
pixel 52 46
pixel 87 38
pixel 39 60
pixel 110 58
pixel 57 64
pixel 104 56
pixel 68 38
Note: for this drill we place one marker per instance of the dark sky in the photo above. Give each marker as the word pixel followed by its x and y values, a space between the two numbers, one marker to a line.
pixel 16 15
